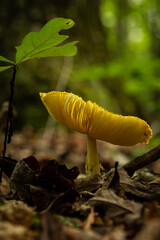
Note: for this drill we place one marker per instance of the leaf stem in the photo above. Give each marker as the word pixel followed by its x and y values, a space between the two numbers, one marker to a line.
pixel 9 123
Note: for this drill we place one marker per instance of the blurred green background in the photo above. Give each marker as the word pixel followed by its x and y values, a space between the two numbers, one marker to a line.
pixel 117 64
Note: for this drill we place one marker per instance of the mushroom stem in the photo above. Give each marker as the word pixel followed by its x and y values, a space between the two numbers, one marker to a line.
pixel 92 163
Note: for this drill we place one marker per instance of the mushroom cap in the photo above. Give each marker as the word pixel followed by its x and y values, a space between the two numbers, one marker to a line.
pixel 89 118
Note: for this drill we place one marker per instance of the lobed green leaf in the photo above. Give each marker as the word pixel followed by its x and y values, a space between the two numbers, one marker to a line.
pixel 5 68
pixel 68 49
pixel 44 42
pixel 3 59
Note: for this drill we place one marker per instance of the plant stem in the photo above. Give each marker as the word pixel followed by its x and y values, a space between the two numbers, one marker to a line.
pixel 92 163
pixel 9 124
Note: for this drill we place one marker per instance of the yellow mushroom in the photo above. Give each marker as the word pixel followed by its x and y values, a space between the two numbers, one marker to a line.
pixel 91 119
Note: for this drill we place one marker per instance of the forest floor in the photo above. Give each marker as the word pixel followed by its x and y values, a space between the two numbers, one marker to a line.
pixel 46 194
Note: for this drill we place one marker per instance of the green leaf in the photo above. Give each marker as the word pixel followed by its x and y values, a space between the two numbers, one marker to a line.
pixel 5 68
pixel 66 50
pixel 44 42
pixel 3 59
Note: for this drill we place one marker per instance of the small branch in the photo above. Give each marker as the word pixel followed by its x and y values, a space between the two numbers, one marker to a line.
pixel 143 160
pixel 9 124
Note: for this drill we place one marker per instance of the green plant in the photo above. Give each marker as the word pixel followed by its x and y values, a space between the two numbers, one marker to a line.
pixel 45 43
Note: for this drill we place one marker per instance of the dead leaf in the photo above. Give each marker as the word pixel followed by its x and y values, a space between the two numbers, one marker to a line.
pixel 22 174
pixel 106 198
pixel 88 183
pixel 32 162
pixel 40 186
pixel 54 176
pixel 134 189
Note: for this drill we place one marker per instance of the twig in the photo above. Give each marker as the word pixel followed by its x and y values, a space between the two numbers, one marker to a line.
pixel 143 160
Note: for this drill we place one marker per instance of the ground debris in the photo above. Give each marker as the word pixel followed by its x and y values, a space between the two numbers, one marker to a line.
pixel 17 221
pixel 40 187
pixel 150 229
pixel 89 183
pixel 50 201
pixel 133 189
